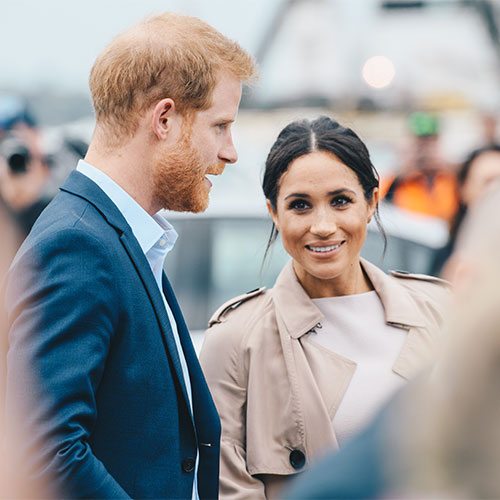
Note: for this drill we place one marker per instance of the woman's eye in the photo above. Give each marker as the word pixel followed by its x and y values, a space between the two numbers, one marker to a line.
pixel 341 201
pixel 299 205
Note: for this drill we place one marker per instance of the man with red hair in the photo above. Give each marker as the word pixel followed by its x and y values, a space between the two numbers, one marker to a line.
pixel 101 365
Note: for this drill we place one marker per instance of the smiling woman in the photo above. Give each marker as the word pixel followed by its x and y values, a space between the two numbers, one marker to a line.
pixel 301 368
pixel 322 216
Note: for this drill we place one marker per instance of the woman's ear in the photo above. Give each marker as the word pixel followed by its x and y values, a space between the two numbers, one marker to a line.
pixel 372 204
pixel 162 117
pixel 273 214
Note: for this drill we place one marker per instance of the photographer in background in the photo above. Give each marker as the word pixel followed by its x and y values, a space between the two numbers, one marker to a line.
pixel 24 169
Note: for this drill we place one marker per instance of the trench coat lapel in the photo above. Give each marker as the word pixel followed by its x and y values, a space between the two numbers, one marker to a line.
pixel 399 307
pixel 302 315
pixel 298 312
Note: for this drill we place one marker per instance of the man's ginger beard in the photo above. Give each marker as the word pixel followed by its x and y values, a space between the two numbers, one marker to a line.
pixel 179 178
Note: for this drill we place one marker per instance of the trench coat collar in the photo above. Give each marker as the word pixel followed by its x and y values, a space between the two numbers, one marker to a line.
pixel 300 315
pixel 399 306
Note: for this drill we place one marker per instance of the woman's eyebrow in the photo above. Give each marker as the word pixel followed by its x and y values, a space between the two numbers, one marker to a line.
pixel 342 190
pixel 297 195
pixel 330 193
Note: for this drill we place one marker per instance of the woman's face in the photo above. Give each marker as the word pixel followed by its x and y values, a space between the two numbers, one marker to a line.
pixel 483 172
pixel 322 213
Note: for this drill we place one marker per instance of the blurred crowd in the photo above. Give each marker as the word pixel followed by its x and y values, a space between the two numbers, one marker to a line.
pixel 426 182
pixel 30 173
pixel 30 170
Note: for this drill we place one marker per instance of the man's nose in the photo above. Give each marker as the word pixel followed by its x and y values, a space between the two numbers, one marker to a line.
pixel 228 153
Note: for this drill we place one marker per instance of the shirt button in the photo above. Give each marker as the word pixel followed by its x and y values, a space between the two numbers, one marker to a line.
pixel 162 242
pixel 297 459
pixel 188 465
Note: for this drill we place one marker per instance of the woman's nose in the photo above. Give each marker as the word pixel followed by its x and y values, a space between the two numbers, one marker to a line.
pixel 324 224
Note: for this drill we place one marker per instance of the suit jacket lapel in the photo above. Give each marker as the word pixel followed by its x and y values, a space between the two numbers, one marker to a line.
pixel 207 418
pixel 80 185
pixel 144 270
pixel 184 336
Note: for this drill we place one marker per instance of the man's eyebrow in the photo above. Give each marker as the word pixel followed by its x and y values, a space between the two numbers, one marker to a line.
pixel 224 120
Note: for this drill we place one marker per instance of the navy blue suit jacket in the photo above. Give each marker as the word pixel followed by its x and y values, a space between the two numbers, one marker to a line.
pixel 93 368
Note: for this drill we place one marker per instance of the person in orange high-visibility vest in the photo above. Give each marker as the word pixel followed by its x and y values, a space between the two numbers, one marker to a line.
pixel 426 184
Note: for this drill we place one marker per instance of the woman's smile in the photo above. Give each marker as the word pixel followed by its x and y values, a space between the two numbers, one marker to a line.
pixel 324 250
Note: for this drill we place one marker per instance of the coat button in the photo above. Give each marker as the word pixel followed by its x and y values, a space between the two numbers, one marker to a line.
pixel 297 459
pixel 188 465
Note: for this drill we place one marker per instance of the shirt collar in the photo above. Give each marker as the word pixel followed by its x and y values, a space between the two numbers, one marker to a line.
pixel 147 230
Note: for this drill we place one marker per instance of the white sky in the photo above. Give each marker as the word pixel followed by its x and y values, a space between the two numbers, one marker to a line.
pixel 53 43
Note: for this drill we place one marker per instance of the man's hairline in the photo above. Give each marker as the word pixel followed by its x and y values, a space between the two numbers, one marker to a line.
pixel 188 114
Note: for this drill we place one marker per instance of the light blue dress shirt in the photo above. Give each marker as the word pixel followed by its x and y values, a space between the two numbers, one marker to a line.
pixel 156 238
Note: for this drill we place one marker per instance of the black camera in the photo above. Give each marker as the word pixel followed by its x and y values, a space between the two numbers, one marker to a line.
pixel 16 154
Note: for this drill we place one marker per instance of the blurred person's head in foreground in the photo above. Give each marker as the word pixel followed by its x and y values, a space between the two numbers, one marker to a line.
pixel 167 92
pixel 460 407
pixel 453 450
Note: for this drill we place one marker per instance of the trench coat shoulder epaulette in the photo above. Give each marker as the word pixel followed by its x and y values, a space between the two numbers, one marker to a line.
pixel 233 304
pixel 421 277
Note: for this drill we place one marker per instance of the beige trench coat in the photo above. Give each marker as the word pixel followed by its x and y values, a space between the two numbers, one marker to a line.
pixel 277 392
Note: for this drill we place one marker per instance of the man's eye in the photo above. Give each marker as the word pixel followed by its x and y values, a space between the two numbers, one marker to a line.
pixel 299 205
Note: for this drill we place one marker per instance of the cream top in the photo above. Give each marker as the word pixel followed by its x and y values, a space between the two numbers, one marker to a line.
pixel 354 327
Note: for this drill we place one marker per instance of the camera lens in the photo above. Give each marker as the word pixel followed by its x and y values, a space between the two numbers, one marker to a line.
pixel 16 154
pixel 18 161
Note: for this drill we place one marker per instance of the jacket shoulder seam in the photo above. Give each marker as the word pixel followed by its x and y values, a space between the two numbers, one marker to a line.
pixel 233 304
pixel 419 277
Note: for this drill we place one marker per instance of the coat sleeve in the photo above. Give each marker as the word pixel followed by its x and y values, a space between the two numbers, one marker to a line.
pixel 222 360
pixel 62 307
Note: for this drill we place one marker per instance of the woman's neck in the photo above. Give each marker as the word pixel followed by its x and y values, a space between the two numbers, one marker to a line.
pixel 351 282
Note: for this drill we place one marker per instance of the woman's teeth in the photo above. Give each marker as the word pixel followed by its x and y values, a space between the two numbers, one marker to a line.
pixel 324 249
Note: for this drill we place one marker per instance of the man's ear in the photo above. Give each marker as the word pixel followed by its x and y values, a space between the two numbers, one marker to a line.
pixel 162 117
pixel 273 214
